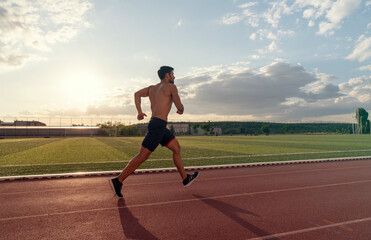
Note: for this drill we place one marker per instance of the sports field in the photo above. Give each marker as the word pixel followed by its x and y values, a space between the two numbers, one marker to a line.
pixel 60 155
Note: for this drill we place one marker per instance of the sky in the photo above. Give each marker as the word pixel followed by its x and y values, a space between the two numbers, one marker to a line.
pixel 234 60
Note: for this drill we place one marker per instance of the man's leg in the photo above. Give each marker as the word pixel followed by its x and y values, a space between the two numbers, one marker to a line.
pixel 134 163
pixel 175 148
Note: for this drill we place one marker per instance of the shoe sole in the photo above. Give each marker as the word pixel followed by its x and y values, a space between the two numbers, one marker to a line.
pixel 190 183
pixel 113 189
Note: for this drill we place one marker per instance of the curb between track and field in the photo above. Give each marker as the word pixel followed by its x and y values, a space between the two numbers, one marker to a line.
pixel 173 169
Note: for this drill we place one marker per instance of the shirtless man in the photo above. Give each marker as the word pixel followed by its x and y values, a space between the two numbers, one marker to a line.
pixel 161 96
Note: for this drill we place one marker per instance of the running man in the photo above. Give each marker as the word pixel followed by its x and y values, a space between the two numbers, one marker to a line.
pixel 161 96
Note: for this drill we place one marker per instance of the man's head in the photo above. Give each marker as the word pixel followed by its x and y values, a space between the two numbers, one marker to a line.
pixel 166 72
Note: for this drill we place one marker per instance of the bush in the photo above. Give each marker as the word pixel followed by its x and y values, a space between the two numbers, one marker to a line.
pixel 131 130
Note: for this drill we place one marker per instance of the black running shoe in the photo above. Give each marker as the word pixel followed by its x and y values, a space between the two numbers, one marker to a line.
pixel 189 179
pixel 116 187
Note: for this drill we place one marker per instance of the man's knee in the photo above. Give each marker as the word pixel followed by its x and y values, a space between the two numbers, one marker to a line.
pixel 176 149
pixel 143 154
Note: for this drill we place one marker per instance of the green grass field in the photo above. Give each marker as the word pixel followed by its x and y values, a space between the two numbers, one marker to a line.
pixel 61 155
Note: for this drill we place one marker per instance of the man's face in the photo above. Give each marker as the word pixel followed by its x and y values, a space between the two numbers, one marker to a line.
pixel 171 77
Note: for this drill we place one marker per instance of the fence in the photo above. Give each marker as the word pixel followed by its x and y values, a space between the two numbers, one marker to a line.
pixel 60 127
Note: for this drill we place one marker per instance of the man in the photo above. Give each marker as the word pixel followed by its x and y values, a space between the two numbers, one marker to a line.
pixel 161 96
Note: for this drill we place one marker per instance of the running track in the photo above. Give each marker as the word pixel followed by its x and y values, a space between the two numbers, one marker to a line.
pixel 329 200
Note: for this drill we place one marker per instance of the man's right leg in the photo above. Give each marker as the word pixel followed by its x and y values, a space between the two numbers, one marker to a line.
pixel 175 148
pixel 134 163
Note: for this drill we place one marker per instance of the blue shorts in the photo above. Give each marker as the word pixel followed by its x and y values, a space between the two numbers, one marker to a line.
pixel 157 134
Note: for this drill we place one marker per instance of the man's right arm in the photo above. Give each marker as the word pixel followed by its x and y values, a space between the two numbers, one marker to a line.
pixel 176 99
pixel 139 94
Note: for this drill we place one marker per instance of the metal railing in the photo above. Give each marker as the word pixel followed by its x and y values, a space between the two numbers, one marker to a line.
pixel 62 127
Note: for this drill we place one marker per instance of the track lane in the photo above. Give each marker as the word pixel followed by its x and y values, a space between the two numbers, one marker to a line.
pixel 239 203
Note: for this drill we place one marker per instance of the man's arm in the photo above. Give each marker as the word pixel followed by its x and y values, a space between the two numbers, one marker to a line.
pixel 176 99
pixel 139 94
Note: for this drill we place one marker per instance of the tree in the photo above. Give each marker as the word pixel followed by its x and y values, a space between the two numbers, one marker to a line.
pixel 265 129
pixel 129 131
pixel 241 129
pixel 363 122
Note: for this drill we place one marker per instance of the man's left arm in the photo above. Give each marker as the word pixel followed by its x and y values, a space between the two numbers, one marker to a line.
pixel 176 99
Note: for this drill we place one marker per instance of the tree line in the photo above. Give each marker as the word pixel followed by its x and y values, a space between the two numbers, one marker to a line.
pixel 249 128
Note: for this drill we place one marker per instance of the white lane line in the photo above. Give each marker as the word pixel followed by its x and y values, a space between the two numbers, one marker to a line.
pixel 278 235
pixel 187 200
pixel 185 158
pixel 177 181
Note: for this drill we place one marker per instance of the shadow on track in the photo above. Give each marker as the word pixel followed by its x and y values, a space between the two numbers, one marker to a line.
pixel 232 212
pixel 130 224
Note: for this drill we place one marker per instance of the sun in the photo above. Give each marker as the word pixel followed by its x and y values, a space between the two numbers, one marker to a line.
pixel 82 88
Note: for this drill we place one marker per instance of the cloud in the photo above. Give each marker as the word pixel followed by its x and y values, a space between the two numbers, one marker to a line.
pixel 321 92
pixel 282 91
pixel 331 13
pixel 273 47
pixel 247 5
pixel 358 88
pixel 339 10
pixel 252 92
pixel 13 58
pixel 231 18
pixel 274 14
pixel 276 92
pixel 35 26
pixel 362 50
pixel 364 68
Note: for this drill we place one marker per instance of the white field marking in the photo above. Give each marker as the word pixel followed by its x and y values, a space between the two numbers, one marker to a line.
pixel 190 158
pixel 124 141
pixel 185 200
pixel 177 181
pixel 278 235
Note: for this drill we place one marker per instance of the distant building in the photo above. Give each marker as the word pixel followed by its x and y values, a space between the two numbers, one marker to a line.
pixel 213 131
pixel 183 128
pixel 179 128
pixel 23 123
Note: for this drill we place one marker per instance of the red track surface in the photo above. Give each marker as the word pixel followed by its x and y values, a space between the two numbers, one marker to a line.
pixel 304 201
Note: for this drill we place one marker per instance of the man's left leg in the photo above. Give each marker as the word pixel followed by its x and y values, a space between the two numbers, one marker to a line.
pixel 134 163
pixel 116 183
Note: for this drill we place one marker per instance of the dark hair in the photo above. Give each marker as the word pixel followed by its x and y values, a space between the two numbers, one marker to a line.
pixel 163 70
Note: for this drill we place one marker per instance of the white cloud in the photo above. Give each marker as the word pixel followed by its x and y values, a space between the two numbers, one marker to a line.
pixel 247 5
pixel 339 10
pixel 368 3
pixel 309 13
pixel 231 18
pixel 362 50
pixel 37 25
pixel 253 36
pixel 273 47
pixel 254 56
pixel 363 68
pixel 274 14
pixel 358 88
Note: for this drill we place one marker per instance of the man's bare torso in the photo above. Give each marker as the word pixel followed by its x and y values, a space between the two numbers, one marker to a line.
pixel 161 100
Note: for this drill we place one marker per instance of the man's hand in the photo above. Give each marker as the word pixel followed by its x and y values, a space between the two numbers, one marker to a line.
pixel 179 112
pixel 141 116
